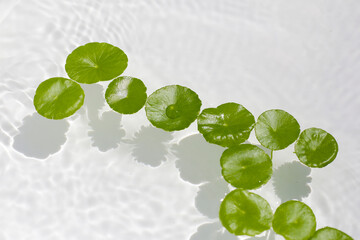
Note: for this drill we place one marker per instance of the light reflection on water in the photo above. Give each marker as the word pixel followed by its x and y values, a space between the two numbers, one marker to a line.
pixel 107 176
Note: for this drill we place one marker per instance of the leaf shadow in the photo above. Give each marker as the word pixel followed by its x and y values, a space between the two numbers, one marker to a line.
pixel 40 137
pixel 269 235
pixel 150 145
pixel 199 163
pixel 106 130
pixel 197 160
pixel 209 197
pixel 212 231
pixel 292 181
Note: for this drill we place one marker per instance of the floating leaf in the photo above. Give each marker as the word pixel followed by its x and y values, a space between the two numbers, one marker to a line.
pixel 245 213
pixel 276 129
pixel 172 107
pixel 126 95
pixel 58 98
pixel 328 233
pixel 316 148
pixel 246 166
pixel 94 62
pixel 227 125
pixel 294 220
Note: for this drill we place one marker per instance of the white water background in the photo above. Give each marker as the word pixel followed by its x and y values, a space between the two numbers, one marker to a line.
pixel 99 175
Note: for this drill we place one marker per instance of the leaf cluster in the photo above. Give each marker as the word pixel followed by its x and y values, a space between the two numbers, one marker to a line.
pixel 174 107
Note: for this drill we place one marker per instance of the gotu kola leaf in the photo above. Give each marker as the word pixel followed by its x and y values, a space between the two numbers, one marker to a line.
pixel 227 125
pixel 94 62
pixel 172 107
pixel 126 95
pixel 276 129
pixel 58 98
pixel 245 213
pixel 246 166
pixel 294 220
pixel 328 233
pixel 316 148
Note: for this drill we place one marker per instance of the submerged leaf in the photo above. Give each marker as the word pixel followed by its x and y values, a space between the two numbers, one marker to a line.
pixel 172 107
pixel 58 98
pixel 316 148
pixel 94 62
pixel 227 125
pixel 245 213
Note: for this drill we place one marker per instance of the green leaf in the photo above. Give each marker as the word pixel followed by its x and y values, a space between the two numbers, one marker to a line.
pixel 246 166
pixel 126 95
pixel 94 62
pixel 58 98
pixel 172 107
pixel 276 129
pixel 328 233
pixel 245 213
pixel 227 125
pixel 316 148
pixel 294 220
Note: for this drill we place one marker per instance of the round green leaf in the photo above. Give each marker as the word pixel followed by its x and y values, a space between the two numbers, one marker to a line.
pixel 246 166
pixel 316 148
pixel 58 98
pixel 328 233
pixel 276 129
pixel 172 107
pixel 245 213
pixel 294 220
pixel 126 95
pixel 227 125
pixel 94 62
